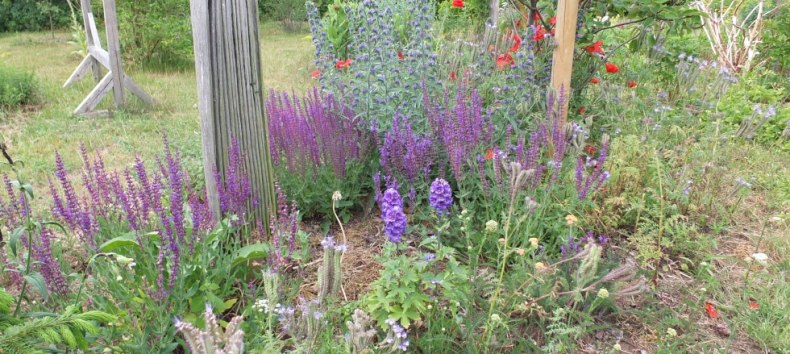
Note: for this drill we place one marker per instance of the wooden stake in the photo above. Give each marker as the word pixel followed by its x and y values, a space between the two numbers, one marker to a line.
pixel 114 50
pixel 562 63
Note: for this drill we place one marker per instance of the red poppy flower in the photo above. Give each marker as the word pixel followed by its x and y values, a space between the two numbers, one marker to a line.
pixel 553 20
pixel 711 310
pixel 631 84
pixel 518 23
pixel 400 55
pixel 611 68
pixel 753 304
pixel 517 42
pixel 343 63
pixel 589 149
pixel 540 33
pixel 536 17
pixel 458 4
pixel 595 81
pixel 595 48
pixel 489 154
pixel 504 61
pixel 315 74
pixel 452 75
pixel 552 32
pixel 582 110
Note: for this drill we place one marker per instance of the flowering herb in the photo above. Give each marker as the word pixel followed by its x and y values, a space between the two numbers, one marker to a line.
pixel 441 198
pixel 393 215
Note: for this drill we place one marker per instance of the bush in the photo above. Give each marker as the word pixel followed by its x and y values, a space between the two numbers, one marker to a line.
pixel 16 88
pixel 290 13
pixel 33 15
pixel 157 33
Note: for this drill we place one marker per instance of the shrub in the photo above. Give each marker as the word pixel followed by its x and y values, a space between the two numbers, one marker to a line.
pixel 16 88
pixel 290 13
pixel 156 32
pixel 33 15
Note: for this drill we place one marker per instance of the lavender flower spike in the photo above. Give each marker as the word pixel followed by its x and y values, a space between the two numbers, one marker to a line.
pixel 392 214
pixel 441 198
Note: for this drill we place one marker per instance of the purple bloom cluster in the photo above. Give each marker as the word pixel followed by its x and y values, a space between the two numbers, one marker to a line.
pixel 405 153
pixel 235 195
pixel 284 229
pixel 397 336
pixel 317 130
pixel 572 246
pixel 596 178
pixel 461 129
pixel 49 267
pixel 392 214
pixel 441 198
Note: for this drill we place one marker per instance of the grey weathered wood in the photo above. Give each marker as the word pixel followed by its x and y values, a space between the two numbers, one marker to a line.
pixel 92 100
pixel 97 57
pixel 91 35
pixel 81 70
pixel 230 95
pixel 114 50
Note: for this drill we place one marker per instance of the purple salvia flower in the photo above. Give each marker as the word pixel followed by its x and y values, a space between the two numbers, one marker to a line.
pixel 393 216
pixel 50 268
pixel 441 198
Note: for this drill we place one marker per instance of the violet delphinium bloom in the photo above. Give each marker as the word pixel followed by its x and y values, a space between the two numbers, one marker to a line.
pixel 392 214
pixel 441 197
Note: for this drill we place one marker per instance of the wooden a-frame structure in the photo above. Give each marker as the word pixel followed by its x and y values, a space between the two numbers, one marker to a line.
pixel 97 57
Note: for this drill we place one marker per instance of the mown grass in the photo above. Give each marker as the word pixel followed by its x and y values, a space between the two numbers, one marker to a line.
pixel 34 136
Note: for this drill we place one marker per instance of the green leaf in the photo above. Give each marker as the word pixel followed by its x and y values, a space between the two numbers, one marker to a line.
pixel 128 239
pixel 38 283
pixel 13 241
pixel 251 252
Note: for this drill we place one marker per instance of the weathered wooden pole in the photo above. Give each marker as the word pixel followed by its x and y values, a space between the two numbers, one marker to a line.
pixel 230 96
pixel 565 40
pixel 114 50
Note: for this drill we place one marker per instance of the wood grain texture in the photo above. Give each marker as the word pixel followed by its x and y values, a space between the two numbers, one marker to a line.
pixel 230 96
pixel 114 50
pixel 562 62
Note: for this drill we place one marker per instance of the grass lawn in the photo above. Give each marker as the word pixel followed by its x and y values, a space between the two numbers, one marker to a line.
pixel 36 133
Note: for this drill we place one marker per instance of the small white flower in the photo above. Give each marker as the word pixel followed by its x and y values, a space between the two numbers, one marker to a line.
pixel 337 196
pixel 617 347
pixel 495 318
pixel 761 258
pixel 603 293
pixel 491 226
pixel 672 332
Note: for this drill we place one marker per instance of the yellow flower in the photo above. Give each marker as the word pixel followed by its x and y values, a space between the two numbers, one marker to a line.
pixel 534 242
pixel 603 293
pixel 540 266
pixel 617 347
pixel 520 251
pixel 570 219
pixel 672 332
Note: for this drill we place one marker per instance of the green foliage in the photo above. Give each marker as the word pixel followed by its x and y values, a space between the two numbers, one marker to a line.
pixel 30 336
pixel 156 33
pixel 776 40
pixel 405 287
pixel 291 13
pixel 33 15
pixel 313 190
pixel 335 23
pixel 16 88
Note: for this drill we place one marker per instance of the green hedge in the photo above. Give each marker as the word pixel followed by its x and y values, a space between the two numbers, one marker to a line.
pixel 33 15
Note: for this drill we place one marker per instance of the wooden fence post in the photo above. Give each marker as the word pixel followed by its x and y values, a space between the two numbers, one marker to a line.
pixel 230 96
pixel 562 62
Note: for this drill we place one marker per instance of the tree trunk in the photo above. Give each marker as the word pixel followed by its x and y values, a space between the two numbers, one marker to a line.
pixel 230 96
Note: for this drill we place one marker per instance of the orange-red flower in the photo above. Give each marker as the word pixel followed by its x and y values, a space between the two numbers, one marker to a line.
pixel 595 81
pixel 631 84
pixel 458 4
pixel 553 20
pixel 504 61
pixel 540 33
pixel 711 310
pixel 589 149
pixel 315 74
pixel 516 42
pixel 489 154
pixel 753 304
pixel 341 64
pixel 582 110
pixel 611 68
pixel 400 55
pixel 595 48
pixel 452 75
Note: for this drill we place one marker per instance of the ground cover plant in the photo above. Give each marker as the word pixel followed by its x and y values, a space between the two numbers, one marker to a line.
pixel 432 198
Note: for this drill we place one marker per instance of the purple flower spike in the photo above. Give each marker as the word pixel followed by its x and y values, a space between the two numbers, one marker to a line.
pixel 392 213
pixel 441 198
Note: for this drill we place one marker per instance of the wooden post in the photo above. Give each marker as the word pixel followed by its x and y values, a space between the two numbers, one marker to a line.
pixel 230 95
pixel 562 62
pixel 114 49
pixel 115 79
pixel 91 36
